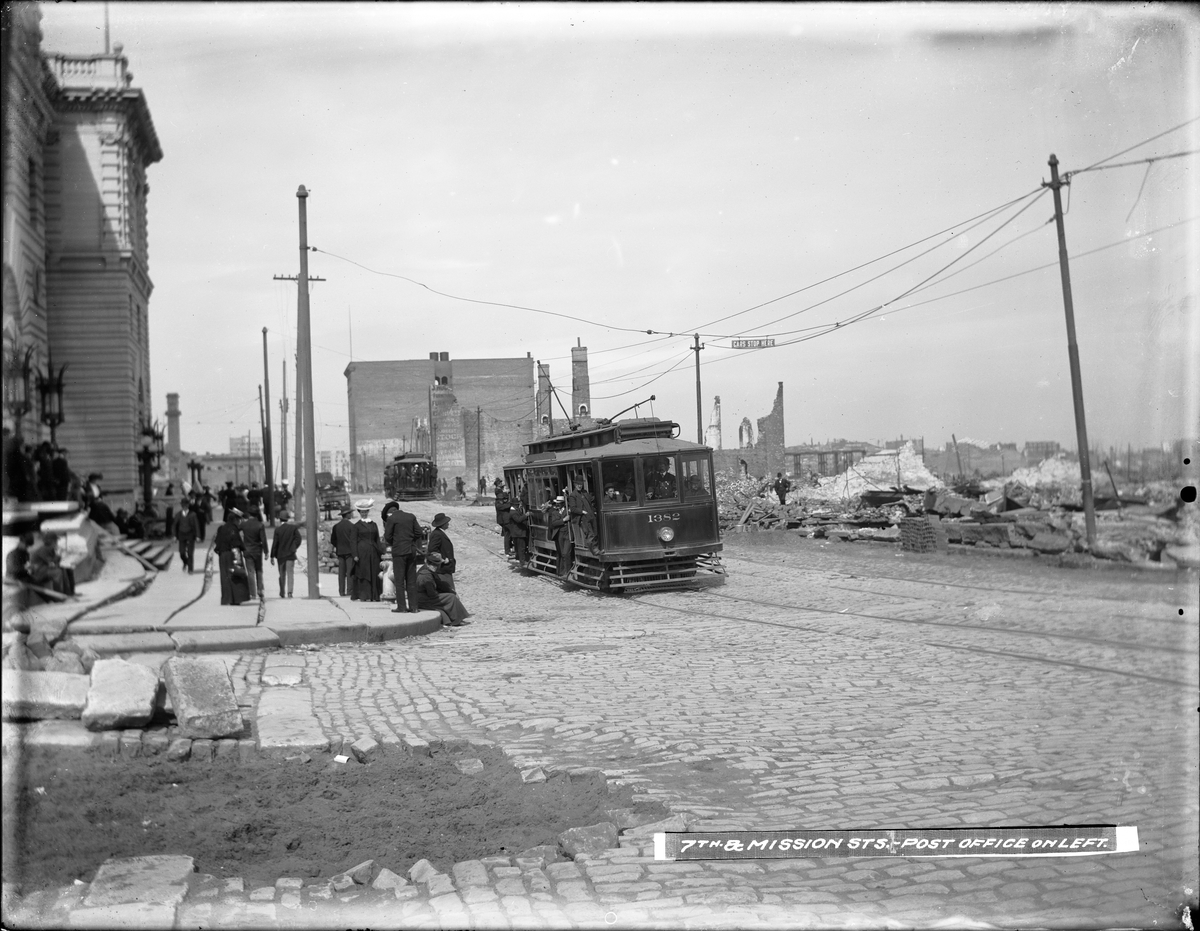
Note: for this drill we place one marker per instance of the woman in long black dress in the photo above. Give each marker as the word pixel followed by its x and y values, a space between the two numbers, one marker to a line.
pixel 368 547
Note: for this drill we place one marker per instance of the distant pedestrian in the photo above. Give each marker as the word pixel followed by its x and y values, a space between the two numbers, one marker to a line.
pixel 403 536
pixel 433 596
pixel 254 538
pixel 782 486
pixel 46 569
pixel 284 547
pixel 187 530
pixel 459 486
pixel 342 540
pixel 440 543
pixel 228 542
pixel 498 486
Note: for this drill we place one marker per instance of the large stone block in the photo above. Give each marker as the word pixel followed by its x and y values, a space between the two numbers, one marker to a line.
pixel 591 839
pixel 993 534
pixel 202 697
pixel 122 694
pixel 1050 543
pixel 157 880
pixel 33 696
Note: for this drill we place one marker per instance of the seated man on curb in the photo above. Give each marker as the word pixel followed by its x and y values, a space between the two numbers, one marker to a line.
pixel 432 596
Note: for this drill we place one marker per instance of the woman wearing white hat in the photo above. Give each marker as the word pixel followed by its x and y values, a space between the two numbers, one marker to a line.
pixel 367 549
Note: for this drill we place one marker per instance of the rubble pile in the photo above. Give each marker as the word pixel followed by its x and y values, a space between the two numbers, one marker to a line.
pixel 1036 510
pixel 902 468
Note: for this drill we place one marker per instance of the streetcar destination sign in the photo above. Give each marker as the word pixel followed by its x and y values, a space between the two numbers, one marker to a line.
pixel 753 343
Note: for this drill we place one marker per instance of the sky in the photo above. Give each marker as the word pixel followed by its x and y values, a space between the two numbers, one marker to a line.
pixel 862 184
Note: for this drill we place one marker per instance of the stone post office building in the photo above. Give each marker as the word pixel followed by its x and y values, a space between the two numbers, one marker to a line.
pixel 78 139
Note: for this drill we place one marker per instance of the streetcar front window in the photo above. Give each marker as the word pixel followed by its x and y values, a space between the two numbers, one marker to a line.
pixel 695 478
pixel 658 474
pixel 617 479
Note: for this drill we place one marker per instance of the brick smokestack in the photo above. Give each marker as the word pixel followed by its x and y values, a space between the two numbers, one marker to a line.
pixel 173 455
pixel 581 383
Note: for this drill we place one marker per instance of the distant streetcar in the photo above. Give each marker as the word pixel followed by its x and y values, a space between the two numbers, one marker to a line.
pixel 649 503
pixel 409 477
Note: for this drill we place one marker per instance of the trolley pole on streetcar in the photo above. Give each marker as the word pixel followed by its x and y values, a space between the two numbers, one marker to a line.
pixel 1085 466
pixel 699 415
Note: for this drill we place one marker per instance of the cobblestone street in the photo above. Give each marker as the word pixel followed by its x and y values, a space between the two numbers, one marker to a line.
pixel 823 687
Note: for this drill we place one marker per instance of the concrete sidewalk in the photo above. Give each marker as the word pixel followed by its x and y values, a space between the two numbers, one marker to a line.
pixel 180 612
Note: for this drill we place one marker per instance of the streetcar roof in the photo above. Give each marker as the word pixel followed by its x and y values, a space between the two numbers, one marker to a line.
pixel 654 447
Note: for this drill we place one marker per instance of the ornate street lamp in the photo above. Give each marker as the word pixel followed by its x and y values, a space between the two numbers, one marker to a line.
pixel 16 384
pixel 195 466
pixel 149 454
pixel 50 390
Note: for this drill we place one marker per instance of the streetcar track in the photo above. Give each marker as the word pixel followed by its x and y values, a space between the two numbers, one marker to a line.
pixel 947 646
pixel 984 627
pixel 1129 617
pixel 985 588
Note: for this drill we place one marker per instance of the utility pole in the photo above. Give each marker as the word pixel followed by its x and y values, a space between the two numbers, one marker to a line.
pixel 298 443
pixel 267 451
pixel 478 444
pixel 699 416
pixel 283 414
pixel 303 330
pixel 1085 466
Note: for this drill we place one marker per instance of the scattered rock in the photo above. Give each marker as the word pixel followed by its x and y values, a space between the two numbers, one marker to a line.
pixel 365 749
pixel 19 657
pixel 469 767
pixel 533 775
pixel 1050 543
pixel 420 871
pixel 547 853
pixel 389 880
pixel 362 873
pixel 179 749
pixel 37 644
pixel 64 661
pixel 591 839
pixel 202 697
pixel 673 824
pixel 121 695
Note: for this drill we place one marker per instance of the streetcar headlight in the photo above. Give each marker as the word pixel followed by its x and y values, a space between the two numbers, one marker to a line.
pixel 666 534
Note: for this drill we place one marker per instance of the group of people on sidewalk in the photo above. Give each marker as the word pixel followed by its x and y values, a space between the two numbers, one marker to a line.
pixel 240 545
pixel 423 581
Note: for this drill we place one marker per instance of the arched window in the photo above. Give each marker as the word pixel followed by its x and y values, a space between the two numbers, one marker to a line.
pixel 583 410
pixel 545 419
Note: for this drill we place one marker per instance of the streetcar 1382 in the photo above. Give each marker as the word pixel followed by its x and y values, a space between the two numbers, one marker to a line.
pixel 641 505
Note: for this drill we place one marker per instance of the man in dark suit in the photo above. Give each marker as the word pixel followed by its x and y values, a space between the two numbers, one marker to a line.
pixel 187 529
pixel 403 535
pixel 284 547
pixel 254 537
pixel 342 540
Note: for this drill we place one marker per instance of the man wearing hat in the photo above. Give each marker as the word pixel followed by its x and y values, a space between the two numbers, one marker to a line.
pixel 439 542
pixel 366 584
pixel 342 541
pixel 403 534
pixel 285 544
pixel 560 532
pixel 432 597
pixel 254 539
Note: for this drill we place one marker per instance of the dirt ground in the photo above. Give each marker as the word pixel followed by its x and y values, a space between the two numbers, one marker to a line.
pixel 263 819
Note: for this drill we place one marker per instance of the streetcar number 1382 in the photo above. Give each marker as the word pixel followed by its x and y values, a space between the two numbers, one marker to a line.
pixel 662 518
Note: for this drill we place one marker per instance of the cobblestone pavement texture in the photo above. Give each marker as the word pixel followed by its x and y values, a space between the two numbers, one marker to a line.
pixel 825 686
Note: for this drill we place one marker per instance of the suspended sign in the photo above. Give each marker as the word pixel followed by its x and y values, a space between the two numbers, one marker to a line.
pixel 752 343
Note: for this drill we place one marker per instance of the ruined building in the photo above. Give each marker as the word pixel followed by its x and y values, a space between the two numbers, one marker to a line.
pixel 472 416
pixel 759 452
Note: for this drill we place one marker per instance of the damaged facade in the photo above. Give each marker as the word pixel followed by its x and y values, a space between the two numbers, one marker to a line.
pixel 760 450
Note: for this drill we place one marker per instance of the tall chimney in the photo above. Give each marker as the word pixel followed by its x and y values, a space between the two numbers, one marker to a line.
pixel 173 456
pixel 581 383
